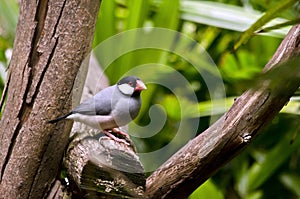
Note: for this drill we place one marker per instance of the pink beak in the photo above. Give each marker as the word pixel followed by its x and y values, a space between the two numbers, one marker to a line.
pixel 140 86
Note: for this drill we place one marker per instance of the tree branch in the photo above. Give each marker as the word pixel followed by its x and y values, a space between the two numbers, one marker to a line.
pixel 102 167
pixel 204 155
pixel 52 40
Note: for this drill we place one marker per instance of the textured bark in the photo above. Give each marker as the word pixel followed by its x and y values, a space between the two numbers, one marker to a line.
pixel 103 168
pixel 52 40
pixel 204 155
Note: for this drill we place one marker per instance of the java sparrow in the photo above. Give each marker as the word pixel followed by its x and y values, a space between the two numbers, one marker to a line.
pixel 112 107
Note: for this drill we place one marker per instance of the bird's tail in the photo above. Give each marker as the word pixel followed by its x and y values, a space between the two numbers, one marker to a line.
pixel 59 118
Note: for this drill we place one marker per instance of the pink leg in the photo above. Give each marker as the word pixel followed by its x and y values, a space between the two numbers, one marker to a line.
pixel 117 130
pixel 114 137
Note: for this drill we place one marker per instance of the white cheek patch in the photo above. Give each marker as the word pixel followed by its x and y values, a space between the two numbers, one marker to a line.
pixel 126 89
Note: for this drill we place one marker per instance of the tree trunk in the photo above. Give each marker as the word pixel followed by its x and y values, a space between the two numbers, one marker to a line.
pixel 204 155
pixel 52 40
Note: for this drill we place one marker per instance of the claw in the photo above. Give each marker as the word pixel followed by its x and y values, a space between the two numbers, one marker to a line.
pixel 115 138
pixel 246 137
pixel 119 131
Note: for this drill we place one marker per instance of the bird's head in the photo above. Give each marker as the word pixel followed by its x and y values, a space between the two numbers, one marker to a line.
pixel 130 85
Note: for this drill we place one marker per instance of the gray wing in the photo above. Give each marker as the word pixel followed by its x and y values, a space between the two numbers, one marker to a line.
pixel 100 104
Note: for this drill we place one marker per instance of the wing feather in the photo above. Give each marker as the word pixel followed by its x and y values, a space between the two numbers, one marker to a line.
pixel 100 104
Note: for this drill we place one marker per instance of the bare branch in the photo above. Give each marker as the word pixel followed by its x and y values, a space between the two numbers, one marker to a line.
pixel 204 155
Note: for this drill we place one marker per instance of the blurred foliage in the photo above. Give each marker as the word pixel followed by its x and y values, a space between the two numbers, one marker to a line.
pixel 268 16
pixel 269 168
pixel 8 23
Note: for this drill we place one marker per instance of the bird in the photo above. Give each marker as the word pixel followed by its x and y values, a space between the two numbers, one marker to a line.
pixel 111 108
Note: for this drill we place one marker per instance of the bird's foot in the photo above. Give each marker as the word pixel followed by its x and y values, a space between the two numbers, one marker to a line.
pixel 106 132
pixel 119 131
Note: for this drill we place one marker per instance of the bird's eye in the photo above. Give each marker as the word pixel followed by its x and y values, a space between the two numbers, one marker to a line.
pixel 130 83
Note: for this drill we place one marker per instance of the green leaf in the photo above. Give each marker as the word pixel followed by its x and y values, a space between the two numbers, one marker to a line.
pixel 255 195
pixel 183 108
pixel 215 107
pixel 291 181
pixel 137 13
pixel 262 171
pixel 167 14
pixel 225 16
pixel 105 26
pixel 207 190
pixel 268 16
pixel 179 108
pixel 8 18
pixel 280 25
pixel 292 106
pixel 240 66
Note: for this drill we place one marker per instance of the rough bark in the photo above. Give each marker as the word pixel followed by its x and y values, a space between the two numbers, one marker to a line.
pixel 103 168
pixel 203 156
pixel 52 40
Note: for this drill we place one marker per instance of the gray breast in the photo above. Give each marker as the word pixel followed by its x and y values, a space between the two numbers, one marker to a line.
pixel 126 109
